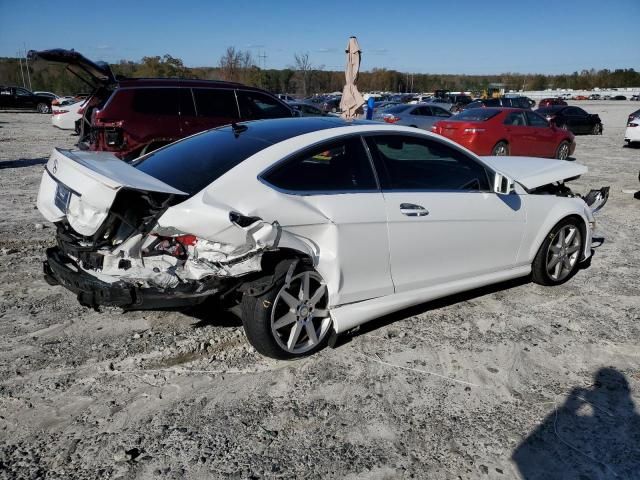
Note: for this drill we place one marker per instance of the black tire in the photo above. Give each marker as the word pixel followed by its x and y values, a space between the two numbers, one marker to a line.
pixel 42 108
pixel 257 320
pixel 562 152
pixel 500 149
pixel 539 269
pixel 597 129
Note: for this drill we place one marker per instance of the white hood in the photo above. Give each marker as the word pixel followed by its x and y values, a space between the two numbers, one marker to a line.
pixel 532 172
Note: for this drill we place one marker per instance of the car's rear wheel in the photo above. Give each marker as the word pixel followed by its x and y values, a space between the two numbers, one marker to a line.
pixel 291 320
pixel 562 152
pixel 42 108
pixel 597 129
pixel 558 257
pixel 501 149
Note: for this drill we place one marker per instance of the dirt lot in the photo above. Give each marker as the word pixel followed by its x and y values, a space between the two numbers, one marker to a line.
pixel 516 381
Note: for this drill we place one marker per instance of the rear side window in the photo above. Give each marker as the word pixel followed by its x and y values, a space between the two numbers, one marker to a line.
pixel 194 163
pixel 256 105
pixel 156 101
pixel 338 166
pixel 216 103
pixel 411 163
pixel 515 119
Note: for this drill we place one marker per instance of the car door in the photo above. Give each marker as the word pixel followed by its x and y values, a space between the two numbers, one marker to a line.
pixel 542 136
pixel 572 119
pixel 214 107
pixel 518 134
pixel 331 192
pixel 582 120
pixel 155 115
pixel 444 221
pixel 24 99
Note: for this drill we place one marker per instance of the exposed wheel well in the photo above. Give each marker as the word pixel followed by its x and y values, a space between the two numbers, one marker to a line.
pixel 581 224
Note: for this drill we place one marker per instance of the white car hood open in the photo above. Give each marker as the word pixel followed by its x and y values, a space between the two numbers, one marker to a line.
pixel 531 172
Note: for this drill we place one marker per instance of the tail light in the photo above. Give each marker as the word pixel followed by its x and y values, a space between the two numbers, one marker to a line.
pixel 58 112
pixel 81 111
pixel 390 118
pixel 174 246
pixel 632 124
pixel 473 131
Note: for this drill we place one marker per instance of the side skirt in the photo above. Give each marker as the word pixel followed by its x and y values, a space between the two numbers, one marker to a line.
pixel 351 315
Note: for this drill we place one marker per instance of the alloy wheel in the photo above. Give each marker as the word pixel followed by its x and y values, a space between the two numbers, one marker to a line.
pixel 500 150
pixel 563 151
pixel 300 318
pixel 563 252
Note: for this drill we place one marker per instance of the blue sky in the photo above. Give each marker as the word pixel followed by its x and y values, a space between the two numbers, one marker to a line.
pixel 481 36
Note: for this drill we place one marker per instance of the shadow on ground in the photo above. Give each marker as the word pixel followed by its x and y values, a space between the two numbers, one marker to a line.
pixel 595 434
pixel 23 162
pixel 428 306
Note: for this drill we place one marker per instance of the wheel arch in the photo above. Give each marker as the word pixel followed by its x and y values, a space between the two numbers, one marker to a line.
pixel 550 223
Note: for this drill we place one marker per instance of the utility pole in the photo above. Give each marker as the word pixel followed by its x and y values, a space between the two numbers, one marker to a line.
pixel 21 71
pixel 26 62
pixel 263 58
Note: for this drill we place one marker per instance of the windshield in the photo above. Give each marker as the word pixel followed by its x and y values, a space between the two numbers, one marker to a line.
pixel 192 164
pixel 476 115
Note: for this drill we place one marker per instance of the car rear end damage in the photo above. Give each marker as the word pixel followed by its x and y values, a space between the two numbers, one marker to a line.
pixel 111 249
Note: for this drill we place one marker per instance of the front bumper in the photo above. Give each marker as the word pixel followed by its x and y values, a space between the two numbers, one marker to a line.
pixel 59 269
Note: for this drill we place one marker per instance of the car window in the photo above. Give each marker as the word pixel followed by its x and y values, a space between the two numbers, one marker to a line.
pixel 440 112
pixel 22 92
pixel 338 166
pixel 422 111
pixel 219 103
pixel 515 119
pixel 256 105
pixel 186 106
pixel 412 163
pixel 311 110
pixel 571 111
pixel 536 120
pixel 476 114
pixel 492 102
pixel 580 112
pixel 156 101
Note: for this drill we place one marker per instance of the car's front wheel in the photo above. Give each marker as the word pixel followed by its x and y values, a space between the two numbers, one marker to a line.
pixel 290 320
pixel 597 129
pixel 562 152
pixel 558 257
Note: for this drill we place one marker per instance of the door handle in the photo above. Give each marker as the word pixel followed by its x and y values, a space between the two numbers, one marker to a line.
pixel 413 210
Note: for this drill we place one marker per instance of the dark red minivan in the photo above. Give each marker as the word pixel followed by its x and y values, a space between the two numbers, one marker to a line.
pixel 133 116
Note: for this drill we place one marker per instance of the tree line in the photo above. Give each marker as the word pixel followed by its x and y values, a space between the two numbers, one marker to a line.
pixel 303 77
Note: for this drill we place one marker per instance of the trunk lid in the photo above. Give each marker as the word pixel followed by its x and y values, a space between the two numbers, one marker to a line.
pixel 533 172
pixel 82 186
pixel 95 74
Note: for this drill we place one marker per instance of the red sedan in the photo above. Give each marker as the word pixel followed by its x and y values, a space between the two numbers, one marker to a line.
pixel 507 131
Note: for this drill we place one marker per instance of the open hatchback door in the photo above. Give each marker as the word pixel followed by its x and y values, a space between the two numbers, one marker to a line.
pixel 94 74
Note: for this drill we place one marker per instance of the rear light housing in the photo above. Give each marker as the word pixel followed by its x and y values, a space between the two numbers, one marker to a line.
pixel 631 124
pixel 473 130
pixel 174 246
pixel 59 112
pixel 113 137
pixel 390 118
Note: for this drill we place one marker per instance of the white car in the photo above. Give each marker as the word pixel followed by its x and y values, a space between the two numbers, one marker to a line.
pixel 65 116
pixel 632 133
pixel 314 225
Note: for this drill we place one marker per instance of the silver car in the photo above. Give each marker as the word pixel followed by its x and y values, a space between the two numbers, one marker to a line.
pixel 420 115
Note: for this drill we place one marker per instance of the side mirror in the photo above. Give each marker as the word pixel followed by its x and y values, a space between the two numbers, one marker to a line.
pixel 503 185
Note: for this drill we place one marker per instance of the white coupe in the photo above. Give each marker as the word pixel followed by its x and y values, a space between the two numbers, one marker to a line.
pixel 313 225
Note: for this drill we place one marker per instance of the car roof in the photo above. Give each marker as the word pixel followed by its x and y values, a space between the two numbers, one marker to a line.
pixel 276 130
pixel 178 82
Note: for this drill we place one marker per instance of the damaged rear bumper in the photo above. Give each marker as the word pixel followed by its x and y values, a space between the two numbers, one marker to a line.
pixel 59 269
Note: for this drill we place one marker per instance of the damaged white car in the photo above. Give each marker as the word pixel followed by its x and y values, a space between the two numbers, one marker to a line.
pixel 314 225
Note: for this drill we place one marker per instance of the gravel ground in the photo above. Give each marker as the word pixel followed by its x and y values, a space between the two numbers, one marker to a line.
pixel 512 381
